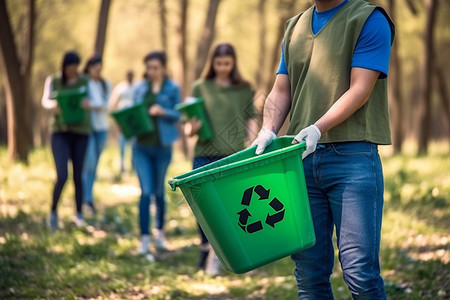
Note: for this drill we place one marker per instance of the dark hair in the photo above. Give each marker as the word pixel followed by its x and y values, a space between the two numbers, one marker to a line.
pixel 96 59
pixel 224 49
pixel 158 55
pixel 70 58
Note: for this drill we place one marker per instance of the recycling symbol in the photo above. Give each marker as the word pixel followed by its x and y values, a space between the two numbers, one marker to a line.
pixel 275 215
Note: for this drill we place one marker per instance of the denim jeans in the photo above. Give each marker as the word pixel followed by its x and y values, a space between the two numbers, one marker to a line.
pixel 150 163
pixel 345 189
pixel 68 146
pixel 96 144
pixel 200 161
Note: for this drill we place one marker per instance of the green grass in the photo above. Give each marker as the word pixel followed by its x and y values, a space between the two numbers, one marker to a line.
pixel 99 262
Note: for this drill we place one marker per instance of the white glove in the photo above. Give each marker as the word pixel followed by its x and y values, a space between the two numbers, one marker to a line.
pixel 264 139
pixel 311 135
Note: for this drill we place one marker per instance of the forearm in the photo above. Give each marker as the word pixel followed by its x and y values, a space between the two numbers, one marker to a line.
pixel 46 102
pixel 278 104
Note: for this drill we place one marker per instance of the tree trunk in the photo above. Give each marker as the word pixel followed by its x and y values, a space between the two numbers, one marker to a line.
pixel 181 70
pixel 17 80
pixel 428 60
pixel 101 27
pixel 395 92
pixel 262 43
pixel 443 92
pixel 163 23
pixel 181 41
pixel 206 37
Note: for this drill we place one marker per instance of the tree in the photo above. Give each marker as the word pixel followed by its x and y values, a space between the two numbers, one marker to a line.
pixel 101 27
pixel 17 78
pixel 427 66
pixel 163 23
pixel 206 37
pixel 395 91
pixel 262 43
pixel 181 41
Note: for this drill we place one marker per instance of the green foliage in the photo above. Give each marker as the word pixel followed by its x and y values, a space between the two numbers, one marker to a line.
pixel 100 261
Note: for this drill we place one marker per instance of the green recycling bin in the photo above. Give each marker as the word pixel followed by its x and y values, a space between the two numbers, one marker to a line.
pixel 196 109
pixel 69 101
pixel 253 209
pixel 134 120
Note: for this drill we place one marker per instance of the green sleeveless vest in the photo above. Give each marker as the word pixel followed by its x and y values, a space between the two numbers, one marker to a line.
pixel 57 124
pixel 319 72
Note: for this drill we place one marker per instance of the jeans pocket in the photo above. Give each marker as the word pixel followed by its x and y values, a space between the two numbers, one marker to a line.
pixel 353 148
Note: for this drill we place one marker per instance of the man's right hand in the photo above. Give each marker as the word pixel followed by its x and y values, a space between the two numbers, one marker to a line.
pixel 264 139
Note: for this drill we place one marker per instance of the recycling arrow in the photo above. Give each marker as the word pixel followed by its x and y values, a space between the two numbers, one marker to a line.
pixel 271 220
pixel 247 197
pixel 254 227
pixel 243 216
pixel 262 192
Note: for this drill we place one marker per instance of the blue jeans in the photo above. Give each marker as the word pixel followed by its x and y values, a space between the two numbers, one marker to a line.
pixel 345 189
pixel 69 146
pixel 96 144
pixel 123 142
pixel 200 161
pixel 150 163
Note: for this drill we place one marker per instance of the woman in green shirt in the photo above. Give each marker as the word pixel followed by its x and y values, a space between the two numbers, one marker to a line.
pixel 68 140
pixel 228 101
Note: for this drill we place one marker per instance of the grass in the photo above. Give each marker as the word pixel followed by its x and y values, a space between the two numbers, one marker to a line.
pixel 99 262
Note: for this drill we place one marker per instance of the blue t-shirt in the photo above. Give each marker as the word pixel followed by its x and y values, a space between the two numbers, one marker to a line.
pixel 373 47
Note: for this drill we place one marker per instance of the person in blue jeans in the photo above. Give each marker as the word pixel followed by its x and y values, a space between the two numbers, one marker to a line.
pixel 68 140
pixel 152 152
pixel 332 79
pixel 99 91
pixel 122 97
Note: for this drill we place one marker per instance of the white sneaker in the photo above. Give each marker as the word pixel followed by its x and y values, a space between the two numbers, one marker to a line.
pixel 79 221
pixel 212 264
pixel 160 240
pixel 145 243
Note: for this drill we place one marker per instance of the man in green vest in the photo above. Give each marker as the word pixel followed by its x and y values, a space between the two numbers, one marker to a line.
pixel 332 80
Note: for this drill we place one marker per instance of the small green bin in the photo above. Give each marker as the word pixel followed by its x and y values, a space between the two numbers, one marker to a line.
pixel 134 120
pixel 69 101
pixel 197 109
pixel 253 209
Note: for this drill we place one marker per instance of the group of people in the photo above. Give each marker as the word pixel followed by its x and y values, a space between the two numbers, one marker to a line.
pixel 332 81
pixel 226 94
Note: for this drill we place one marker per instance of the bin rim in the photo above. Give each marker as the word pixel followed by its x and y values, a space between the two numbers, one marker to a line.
pixel 118 111
pixel 184 105
pixel 197 174
pixel 69 92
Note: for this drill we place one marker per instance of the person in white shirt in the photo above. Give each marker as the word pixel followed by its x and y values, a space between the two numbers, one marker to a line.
pixel 99 91
pixel 122 97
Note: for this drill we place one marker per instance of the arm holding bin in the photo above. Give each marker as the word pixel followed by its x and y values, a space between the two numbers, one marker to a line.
pixel 47 102
pixel 169 100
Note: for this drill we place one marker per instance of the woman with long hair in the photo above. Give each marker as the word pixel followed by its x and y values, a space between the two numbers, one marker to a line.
pixel 68 141
pixel 99 91
pixel 228 100
pixel 152 152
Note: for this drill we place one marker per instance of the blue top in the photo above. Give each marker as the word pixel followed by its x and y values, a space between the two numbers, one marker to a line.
pixel 373 47
pixel 168 98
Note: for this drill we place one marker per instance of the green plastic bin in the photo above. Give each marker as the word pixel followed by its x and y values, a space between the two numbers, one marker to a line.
pixel 253 209
pixel 69 101
pixel 197 109
pixel 134 120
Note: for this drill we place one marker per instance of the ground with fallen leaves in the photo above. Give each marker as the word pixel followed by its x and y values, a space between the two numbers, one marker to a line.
pixel 100 262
